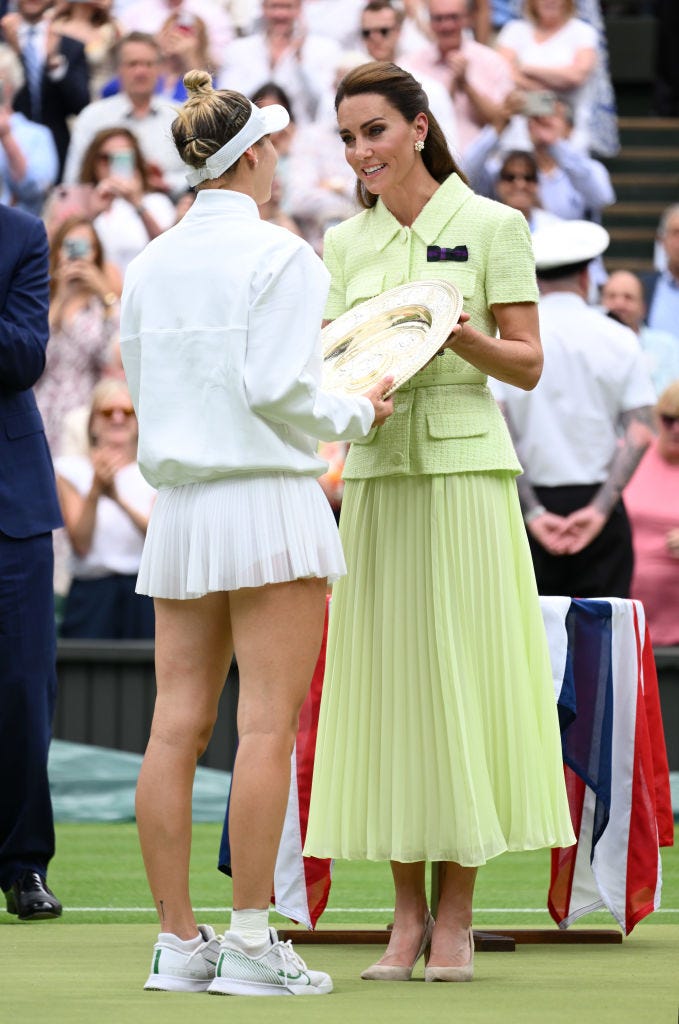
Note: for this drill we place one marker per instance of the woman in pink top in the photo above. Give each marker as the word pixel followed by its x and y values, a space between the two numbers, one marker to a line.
pixel 652 502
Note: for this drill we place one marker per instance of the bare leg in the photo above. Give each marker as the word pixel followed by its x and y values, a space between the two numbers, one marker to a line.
pixel 450 941
pixel 277 634
pixel 410 912
pixel 193 654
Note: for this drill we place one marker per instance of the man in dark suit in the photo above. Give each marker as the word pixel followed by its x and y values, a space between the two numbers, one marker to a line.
pixel 29 511
pixel 55 66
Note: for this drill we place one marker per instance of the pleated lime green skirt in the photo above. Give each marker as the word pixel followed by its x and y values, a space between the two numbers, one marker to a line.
pixel 438 737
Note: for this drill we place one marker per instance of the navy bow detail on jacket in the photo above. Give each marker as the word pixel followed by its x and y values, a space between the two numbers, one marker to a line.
pixel 437 254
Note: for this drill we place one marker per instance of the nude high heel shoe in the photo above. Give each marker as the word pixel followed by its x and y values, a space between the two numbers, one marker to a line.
pixel 463 973
pixel 384 972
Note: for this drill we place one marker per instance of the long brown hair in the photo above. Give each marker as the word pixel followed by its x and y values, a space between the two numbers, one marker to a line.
pixel 405 94
pixel 75 221
pixel 88 175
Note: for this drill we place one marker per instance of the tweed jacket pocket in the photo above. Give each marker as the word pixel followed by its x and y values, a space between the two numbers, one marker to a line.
pixel 464 278
pixel 369 437
pixel 443 425
pixel 364 287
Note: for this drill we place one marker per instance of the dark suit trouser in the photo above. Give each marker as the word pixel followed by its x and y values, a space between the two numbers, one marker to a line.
pixel 603 568
pixel 27 695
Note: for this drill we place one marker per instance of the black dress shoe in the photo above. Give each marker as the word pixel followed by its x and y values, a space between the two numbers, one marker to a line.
pixel 30 899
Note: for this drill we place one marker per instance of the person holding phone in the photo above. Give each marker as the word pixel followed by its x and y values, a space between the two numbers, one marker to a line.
pixel 128 213
pixel 184 44
pixel 84 320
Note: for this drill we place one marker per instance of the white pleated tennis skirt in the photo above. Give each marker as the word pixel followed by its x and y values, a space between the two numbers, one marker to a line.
pixel 244 531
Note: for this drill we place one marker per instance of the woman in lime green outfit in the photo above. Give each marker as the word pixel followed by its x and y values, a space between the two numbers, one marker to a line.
pixel 438 738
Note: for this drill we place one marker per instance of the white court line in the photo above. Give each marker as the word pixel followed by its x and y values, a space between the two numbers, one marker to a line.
pixel 333 910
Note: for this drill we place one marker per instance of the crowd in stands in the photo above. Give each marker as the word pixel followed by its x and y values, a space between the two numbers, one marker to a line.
pixel 88 91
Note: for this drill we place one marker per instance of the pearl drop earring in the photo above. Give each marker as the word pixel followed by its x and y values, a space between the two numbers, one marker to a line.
pixel 419 145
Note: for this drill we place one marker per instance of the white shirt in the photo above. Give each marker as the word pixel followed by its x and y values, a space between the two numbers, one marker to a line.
pixel 116 542
pixel 121 230
pixel 558 50
pixel 308 82
pixel 594 370
pixel 152 132
pixel 220 343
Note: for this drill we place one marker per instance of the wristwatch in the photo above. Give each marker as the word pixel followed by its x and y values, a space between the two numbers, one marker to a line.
pixel 534 513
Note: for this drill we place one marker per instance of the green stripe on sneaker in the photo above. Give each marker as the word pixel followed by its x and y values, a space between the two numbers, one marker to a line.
pixel 156 961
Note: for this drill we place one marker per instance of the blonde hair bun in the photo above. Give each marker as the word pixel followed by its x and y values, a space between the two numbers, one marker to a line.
pixel 198 82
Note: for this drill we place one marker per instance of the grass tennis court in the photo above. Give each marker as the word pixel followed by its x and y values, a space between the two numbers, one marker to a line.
pixel 90 965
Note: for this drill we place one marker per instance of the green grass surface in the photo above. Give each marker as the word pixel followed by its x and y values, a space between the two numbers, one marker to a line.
pixel 90 966
pixel 82 974
pixel 99 866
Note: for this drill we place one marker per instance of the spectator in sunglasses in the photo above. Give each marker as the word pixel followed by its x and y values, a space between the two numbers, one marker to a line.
pixel 572 184
pixel 387 36
pixel 106 504
pixel 517 186
pixel 652 501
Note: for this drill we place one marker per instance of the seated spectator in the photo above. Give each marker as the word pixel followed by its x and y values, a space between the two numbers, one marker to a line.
pixel 517 186
pixel 552 49
pixel 138 109
pixel 572 184
pixel 91 22
pixel 478 78
pixel 652 502
pixel 381 30
pixel 622 295
pixel 184 45
pixel 128 212
pixel 84 320
pixel 106 504
pixel 57 76
pixel 285 53
pixel 661 288
pixel 29 164
pixel 149 16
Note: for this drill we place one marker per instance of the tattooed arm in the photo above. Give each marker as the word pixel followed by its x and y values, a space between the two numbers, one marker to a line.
pixel 586 523
pixel 546 527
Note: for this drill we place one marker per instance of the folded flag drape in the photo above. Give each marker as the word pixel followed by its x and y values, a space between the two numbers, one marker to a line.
pixel 615 765
pixel 614 760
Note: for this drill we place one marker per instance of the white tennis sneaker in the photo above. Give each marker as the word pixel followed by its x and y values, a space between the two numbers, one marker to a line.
pixel 175 970
pixel 277 971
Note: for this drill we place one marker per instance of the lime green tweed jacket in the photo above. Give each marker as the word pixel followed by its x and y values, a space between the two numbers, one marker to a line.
pixel 445 418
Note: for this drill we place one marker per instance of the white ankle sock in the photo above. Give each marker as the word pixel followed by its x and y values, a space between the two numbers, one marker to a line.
pixel 251 927
pixel 188 944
